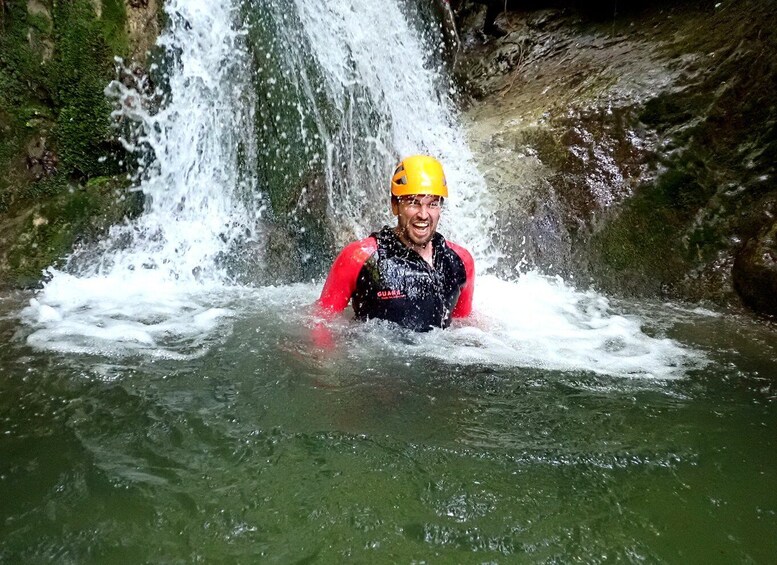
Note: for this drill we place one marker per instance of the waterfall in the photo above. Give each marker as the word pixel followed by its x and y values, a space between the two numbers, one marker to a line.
pixel 262 96
pixel 375 61
pixel 150 279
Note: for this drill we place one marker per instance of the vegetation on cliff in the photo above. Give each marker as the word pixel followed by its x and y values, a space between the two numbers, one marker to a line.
pixel 60 167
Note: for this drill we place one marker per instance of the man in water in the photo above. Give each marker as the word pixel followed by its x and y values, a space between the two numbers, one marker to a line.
pixel 408 274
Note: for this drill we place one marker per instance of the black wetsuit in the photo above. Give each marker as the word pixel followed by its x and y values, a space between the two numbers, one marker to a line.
pixel 385 279
pixel 397 284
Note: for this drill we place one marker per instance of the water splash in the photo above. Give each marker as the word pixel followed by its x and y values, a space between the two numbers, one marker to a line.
pixel 161 285
pixel 536 322
pixel 149 279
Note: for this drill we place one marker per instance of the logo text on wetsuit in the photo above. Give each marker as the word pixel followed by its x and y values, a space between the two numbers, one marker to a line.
pixel 389 294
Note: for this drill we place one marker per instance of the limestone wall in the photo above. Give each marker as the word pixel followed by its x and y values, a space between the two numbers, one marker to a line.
pixel 632 149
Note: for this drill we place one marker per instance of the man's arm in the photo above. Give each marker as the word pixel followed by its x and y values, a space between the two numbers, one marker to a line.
pixel 341 282
pixel 339 286
pixel 463 307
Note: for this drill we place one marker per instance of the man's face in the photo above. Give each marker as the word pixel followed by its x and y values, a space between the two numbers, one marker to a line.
pixel 417 218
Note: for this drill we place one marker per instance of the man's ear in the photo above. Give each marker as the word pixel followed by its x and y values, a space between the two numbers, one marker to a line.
pixel 395 205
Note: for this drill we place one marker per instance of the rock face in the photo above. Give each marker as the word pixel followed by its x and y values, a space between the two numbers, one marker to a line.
pixel 62 172
pixel 755 271
pixel 143 26
pixel 634 150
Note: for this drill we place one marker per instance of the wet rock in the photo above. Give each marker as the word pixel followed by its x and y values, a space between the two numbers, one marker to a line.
pixel 558 98
pixel 143 26
pixel 41 160
pixel 445 14
pixel 640 147
pixel 755 271
pixel 43 233
pixel 38 8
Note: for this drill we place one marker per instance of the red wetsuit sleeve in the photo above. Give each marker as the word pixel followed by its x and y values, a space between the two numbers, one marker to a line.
pixel 463 307
pixel 341 282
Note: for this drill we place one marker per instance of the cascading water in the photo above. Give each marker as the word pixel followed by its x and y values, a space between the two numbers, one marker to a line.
pixel 374 61
pixel 160 285
pixel 149 285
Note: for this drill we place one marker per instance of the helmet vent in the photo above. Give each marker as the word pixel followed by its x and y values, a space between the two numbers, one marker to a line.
pixel 397 171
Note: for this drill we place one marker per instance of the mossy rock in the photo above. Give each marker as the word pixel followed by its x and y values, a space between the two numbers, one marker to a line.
pixel 46 232
pixel 55 61
pixel 640 250
pixel 82 67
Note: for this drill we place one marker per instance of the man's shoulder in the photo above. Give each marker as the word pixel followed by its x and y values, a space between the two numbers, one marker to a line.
pixel 460 250
pixel 359 250
pixel 464 256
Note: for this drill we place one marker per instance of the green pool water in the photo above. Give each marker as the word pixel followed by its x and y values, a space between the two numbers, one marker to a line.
pixel 260 452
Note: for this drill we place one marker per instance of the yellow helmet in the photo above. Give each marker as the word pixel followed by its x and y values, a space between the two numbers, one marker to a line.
pixel 419 174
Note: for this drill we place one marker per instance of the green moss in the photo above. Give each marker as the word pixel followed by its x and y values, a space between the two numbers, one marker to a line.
pixel 81 69
pixel 678 191
pixel 550 150
pixel 22 77
pixel 114 20
pixel 663 111
pixel 51 228
pixel 58 96
pixel 41 23
pixel 60 99
pixel 642 246
pixel 46 188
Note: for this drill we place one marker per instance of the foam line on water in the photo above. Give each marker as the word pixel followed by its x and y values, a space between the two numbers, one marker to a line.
pixel 536 322
pixel 125 316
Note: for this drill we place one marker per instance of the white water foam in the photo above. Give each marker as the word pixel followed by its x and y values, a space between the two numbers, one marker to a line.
pixel 539 321
pixel 150 286
pixel 142 315
pixel 534 322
